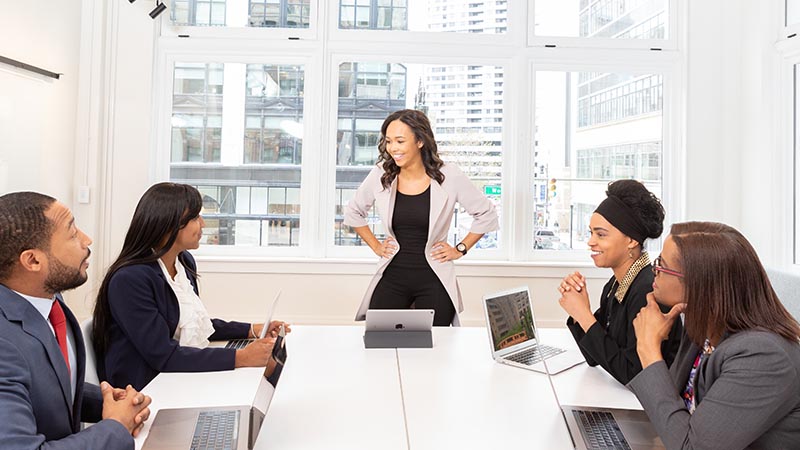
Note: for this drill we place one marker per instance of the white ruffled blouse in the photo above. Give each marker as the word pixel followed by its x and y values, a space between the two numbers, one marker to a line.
pixel 194 326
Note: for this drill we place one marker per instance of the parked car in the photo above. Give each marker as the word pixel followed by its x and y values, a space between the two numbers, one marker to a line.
pixel 545 239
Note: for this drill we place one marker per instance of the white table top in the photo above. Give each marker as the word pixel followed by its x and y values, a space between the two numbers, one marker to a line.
pixel 583 385
pixel 456 396
pixel 334 394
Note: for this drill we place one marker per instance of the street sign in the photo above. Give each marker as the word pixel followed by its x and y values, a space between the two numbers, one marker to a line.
pixel 491 190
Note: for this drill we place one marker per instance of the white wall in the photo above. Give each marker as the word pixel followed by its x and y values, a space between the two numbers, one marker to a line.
pixel 728 133
pixel 37 113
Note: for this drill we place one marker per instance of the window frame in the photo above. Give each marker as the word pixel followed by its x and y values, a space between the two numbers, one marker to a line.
pixel 321 58
pixel 514 31
pixel 676 20
pixel 329 180
pixel 311 106
pixel 167 30
pixel 672 149
pixel 789 30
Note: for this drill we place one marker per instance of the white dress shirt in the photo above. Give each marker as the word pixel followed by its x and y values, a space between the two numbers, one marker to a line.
pixel 194 326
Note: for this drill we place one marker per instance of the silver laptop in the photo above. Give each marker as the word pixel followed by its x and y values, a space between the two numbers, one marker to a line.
pixel 606 428
pixel 242 343
pixel 207 428
pixel 399 319
pixel 513 337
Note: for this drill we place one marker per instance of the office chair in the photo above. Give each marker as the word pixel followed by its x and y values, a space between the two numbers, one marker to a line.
pixel 91 362
pixel 787 286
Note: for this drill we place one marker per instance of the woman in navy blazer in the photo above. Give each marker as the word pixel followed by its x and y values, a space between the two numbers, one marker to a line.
pixel 137 311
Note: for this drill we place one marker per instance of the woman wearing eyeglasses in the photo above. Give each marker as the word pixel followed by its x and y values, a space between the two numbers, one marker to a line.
pixel 735 382
pixel 628 216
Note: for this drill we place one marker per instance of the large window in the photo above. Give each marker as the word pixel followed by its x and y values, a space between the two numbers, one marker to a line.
pixel 279 128
pixel 245 159
pixel 591 128
pixel 465 106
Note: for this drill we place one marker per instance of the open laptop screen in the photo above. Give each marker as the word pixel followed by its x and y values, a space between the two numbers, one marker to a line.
pixel 510 318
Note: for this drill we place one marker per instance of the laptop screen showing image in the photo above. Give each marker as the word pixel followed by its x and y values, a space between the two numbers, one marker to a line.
pixel 510 319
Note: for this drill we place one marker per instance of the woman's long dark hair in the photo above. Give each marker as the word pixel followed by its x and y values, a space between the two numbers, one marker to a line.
pixel 421 126
pixel 161 213
pixel 725 286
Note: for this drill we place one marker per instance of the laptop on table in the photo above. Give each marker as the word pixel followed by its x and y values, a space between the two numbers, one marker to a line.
pixel 593 428
pixel 242 343
pixel 513 336
pixel 209 428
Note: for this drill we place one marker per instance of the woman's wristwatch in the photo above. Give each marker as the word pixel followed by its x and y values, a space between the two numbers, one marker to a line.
pixel 462 247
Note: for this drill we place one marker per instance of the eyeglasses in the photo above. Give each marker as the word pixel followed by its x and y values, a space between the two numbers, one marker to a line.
pixel 657 267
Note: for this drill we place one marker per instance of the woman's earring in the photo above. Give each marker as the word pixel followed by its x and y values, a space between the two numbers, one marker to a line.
pixel 630 253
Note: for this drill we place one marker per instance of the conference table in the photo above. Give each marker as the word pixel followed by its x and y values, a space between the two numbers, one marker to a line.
pixel 335 394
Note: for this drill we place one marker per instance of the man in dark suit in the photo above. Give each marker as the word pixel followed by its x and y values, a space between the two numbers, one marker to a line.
pixel 42 357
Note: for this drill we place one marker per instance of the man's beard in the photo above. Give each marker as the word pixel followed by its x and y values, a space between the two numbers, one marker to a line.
pixel 62 277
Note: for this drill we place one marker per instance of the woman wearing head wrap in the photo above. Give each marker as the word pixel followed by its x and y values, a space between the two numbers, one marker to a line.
pixel 618 228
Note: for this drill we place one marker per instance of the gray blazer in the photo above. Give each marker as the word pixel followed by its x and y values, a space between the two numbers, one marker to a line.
pixel 747 394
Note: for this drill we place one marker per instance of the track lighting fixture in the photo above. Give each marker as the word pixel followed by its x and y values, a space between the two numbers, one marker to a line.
pixel 160 7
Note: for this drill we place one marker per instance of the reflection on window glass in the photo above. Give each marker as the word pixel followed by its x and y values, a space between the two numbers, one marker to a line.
pixel 241 13
pixel 197 112
pixel 274 111
pixel 616 19
pixel 450 16
pixel 792 12
pixel 245 161
pixel 591 128
pixel 465 106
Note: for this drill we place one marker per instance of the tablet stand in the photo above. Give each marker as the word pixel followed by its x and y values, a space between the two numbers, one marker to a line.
pixel 398 339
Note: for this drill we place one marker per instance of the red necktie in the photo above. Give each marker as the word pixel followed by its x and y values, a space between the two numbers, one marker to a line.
pixel 59 322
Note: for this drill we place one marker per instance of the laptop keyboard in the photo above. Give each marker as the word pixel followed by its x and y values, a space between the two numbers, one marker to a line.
pixel 533 355
pixel 216 430
pixel 238 343
pixel 600 430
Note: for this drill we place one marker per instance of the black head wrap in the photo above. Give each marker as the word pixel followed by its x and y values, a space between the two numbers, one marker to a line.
pixel 623 218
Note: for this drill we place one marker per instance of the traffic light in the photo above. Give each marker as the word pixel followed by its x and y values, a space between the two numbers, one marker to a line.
pixel 551 187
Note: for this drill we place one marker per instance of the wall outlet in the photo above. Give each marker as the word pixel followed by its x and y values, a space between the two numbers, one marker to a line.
pixel 83 194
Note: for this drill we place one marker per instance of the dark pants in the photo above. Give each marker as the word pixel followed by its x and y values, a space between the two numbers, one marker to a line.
pixel 399 288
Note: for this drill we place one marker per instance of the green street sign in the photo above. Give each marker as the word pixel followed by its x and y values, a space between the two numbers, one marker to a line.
pixel 491 190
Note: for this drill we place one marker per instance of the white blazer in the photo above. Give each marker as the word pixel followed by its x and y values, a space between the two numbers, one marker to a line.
pixel 456 188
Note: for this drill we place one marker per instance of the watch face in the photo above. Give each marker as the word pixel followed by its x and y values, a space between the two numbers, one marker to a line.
pixel 461 247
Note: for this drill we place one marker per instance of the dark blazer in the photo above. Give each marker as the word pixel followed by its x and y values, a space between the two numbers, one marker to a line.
pixel 145 314
pixel 614 348
pixel 36 400
pixel 747 394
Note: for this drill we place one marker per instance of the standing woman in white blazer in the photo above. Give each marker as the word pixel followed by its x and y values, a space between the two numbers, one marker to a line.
pixel 415 193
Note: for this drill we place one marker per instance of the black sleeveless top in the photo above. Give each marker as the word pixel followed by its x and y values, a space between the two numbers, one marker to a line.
pixel 410 222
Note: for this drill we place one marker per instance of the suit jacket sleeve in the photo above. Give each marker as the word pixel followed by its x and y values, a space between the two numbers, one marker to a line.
pixel 474 202
pixel 133 297
pixel 18 428
pixel 92 406
pixel 621 361
pixel 357 210
pixel 229 330
pixel 756 386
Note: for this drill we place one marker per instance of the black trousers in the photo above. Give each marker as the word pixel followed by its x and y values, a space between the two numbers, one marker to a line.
pixel 400 287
